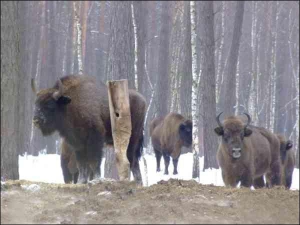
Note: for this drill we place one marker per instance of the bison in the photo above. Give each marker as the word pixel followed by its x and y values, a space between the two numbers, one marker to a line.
pixel 77 107
pixel 287 160
pixel 246 153
pixel 168 135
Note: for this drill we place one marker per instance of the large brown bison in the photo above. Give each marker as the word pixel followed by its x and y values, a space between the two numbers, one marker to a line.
pixel 246 154
pixel 168 135
pixel 77 107
pixel 288 160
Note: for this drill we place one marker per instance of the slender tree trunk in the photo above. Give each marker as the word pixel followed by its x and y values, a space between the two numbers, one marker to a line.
pixel 186 69
pixel 196 168
pixel 76 6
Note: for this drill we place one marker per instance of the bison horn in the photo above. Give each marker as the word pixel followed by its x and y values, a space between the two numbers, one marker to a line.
pixel 59 93
pixel 33 86
pixel 218 120
pixel 249 119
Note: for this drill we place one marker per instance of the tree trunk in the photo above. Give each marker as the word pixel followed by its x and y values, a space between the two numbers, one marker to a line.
pixel 228 97
pixel 10 69
pixel 120 63
pixel 196 169
pixel 162 85
pixel 186 69
pixel 282 76
pixel 210 141
pixel 140 15
pixel 76 6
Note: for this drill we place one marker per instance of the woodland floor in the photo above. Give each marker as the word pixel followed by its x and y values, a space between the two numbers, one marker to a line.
pixel 172 201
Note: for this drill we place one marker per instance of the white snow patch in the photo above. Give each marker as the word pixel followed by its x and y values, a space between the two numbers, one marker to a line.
pixel 46 168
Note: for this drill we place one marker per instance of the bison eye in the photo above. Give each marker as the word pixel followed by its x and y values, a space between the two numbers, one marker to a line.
pixel 226 137
pixel 51 105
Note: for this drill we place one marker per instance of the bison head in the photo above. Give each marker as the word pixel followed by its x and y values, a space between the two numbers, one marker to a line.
pixel 233 132
pixel 47 105
pixel 186 133
pixel 284 147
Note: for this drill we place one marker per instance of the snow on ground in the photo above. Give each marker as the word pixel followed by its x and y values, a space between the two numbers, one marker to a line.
pixel 46 168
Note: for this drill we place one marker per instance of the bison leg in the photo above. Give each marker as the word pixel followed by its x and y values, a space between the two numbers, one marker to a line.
pixel 175 163
pixel 75 177
pixel 288 178
pixel 229 181
pixel 246 180
pixel 167 162
pixel 158 157
pixel 137 172
pixel 66 173
pixel 83 167
pixel 274 175
pixel 259 182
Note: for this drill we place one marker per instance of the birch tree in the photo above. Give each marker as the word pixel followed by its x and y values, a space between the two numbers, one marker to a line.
pixel 196 172
pixel 76 6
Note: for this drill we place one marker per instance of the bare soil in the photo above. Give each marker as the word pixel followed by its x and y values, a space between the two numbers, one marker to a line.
pixel 173 201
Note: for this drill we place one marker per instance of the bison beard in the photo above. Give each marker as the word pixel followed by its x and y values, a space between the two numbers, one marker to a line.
pixel 77 107
pixel 259 154
pixel 168 135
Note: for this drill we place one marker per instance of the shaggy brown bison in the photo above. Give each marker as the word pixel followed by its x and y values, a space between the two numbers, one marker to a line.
pixel 245 154
pixel 77 107
pixel 168 135
pixel 288 160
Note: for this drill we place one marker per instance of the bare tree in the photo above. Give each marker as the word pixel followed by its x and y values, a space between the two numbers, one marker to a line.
pixel 10 104
pixel 208 106
pixel 120 64
pixel 196 169
pixel 162 85
pixel 228 97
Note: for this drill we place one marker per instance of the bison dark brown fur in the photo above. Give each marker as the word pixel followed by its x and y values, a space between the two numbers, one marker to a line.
pixel 77 107
pixel 288 160
pixel 246 154
pixel 168 135
pixel 68 163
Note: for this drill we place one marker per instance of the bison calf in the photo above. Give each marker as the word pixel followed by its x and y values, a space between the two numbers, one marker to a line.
pixel 287 160
pixel 247 154
pixel 77 107
pixel 168 135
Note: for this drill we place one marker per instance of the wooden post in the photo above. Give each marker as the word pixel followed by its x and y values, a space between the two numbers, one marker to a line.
pixel 120 117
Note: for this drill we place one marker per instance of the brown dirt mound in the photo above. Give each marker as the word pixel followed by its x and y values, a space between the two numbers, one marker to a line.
pixel 173 201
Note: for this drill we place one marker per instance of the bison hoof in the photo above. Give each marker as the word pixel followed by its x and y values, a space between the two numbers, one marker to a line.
pixel 166 173
pixel 158 170
pixel 175 173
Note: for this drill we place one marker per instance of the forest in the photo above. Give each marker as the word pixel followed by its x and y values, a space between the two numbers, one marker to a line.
pixel 196 58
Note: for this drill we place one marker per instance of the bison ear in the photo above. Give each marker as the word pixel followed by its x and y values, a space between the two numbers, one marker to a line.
pixel 248 132
pixel 64 100
pixel 219 131
pixel 289 145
